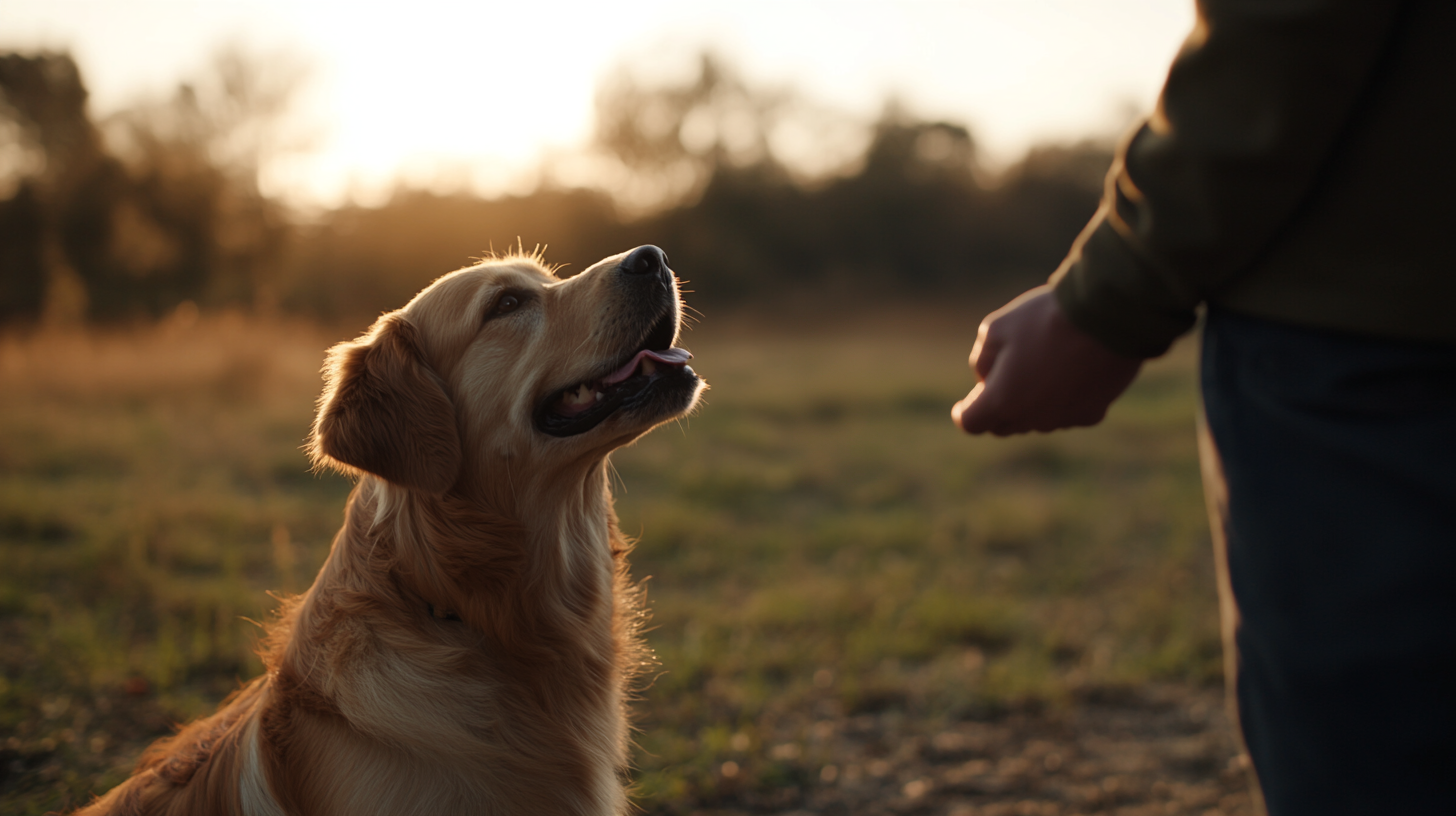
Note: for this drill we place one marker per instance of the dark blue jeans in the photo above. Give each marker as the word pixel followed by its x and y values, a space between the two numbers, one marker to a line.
pixel 1332 480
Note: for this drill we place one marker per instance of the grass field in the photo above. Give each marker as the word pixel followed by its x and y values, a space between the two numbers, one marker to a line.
pixel 821 543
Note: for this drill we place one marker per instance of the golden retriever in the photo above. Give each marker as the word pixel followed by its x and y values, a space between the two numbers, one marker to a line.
pixel 466 646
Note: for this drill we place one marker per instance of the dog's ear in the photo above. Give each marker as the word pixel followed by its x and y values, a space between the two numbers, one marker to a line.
pixel 385 412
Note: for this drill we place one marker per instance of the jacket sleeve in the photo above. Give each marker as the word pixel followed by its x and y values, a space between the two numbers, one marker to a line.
pixel 1253 107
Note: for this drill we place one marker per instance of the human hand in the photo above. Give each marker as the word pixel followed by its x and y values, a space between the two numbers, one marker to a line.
pixel 1038 372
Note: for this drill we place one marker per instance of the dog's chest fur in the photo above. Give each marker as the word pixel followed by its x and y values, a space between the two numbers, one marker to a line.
pixel 516 705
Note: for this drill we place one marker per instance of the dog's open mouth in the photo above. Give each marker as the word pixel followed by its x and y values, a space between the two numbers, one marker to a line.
pixel 583 406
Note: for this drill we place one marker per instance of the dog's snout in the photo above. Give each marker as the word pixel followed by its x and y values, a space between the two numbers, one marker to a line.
pixel 644 260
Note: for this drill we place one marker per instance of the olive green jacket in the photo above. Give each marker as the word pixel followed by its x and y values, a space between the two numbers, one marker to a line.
pixel 1301 166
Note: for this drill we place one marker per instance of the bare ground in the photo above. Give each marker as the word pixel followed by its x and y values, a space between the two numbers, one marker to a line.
pixel 1160 750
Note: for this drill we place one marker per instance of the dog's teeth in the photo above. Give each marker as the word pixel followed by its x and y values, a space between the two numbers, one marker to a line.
pixel 583 395
pixel 648 367
pixel 599 395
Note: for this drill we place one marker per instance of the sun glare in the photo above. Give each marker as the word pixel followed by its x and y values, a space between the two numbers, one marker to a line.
pixel 473 96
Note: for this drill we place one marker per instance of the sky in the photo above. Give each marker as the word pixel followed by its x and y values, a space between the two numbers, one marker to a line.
pixel 425 90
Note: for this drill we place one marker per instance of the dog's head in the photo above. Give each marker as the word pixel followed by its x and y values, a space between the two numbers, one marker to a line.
pixel 504 364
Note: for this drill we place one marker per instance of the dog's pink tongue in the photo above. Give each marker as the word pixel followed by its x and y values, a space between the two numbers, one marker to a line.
pixel 673 356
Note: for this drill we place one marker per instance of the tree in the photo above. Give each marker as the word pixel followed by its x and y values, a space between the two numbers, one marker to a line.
pixel 53 224
pixel 160 204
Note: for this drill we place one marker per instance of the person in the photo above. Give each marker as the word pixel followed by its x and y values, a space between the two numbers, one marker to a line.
pixel 1296 182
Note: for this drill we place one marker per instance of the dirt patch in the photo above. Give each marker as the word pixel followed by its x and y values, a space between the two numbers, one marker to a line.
pixel 1162 750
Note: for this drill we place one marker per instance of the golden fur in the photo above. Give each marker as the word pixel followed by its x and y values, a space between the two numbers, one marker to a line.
pixel 467 644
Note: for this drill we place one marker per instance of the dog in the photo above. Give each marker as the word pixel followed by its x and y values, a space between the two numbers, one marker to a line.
pixel 468 645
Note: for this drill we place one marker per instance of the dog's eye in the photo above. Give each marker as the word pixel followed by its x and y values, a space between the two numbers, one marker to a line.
pixel 507 304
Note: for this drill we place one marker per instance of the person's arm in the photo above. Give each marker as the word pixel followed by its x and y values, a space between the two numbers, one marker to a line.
pixel 1254 106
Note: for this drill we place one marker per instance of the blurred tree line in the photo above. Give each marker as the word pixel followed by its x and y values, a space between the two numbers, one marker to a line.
pixel 158 205
pixel 753 192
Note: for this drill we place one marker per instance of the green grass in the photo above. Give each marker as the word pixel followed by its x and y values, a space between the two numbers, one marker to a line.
pixel 821 543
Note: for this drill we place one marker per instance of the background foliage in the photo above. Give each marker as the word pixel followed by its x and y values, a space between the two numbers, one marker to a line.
pixel 752 190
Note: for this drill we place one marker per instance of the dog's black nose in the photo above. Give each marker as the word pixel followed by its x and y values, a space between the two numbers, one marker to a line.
pixel 644 260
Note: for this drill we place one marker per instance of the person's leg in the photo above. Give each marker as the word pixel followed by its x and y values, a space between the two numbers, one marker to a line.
pixel 1337 512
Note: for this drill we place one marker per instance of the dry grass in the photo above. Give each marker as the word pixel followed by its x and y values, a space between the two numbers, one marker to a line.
pixel 821 541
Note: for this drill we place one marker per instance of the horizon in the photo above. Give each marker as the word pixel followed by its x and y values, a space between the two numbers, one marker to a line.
pixel 1045 71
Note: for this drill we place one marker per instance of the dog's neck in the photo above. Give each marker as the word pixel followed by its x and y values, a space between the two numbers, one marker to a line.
pixel 474 555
